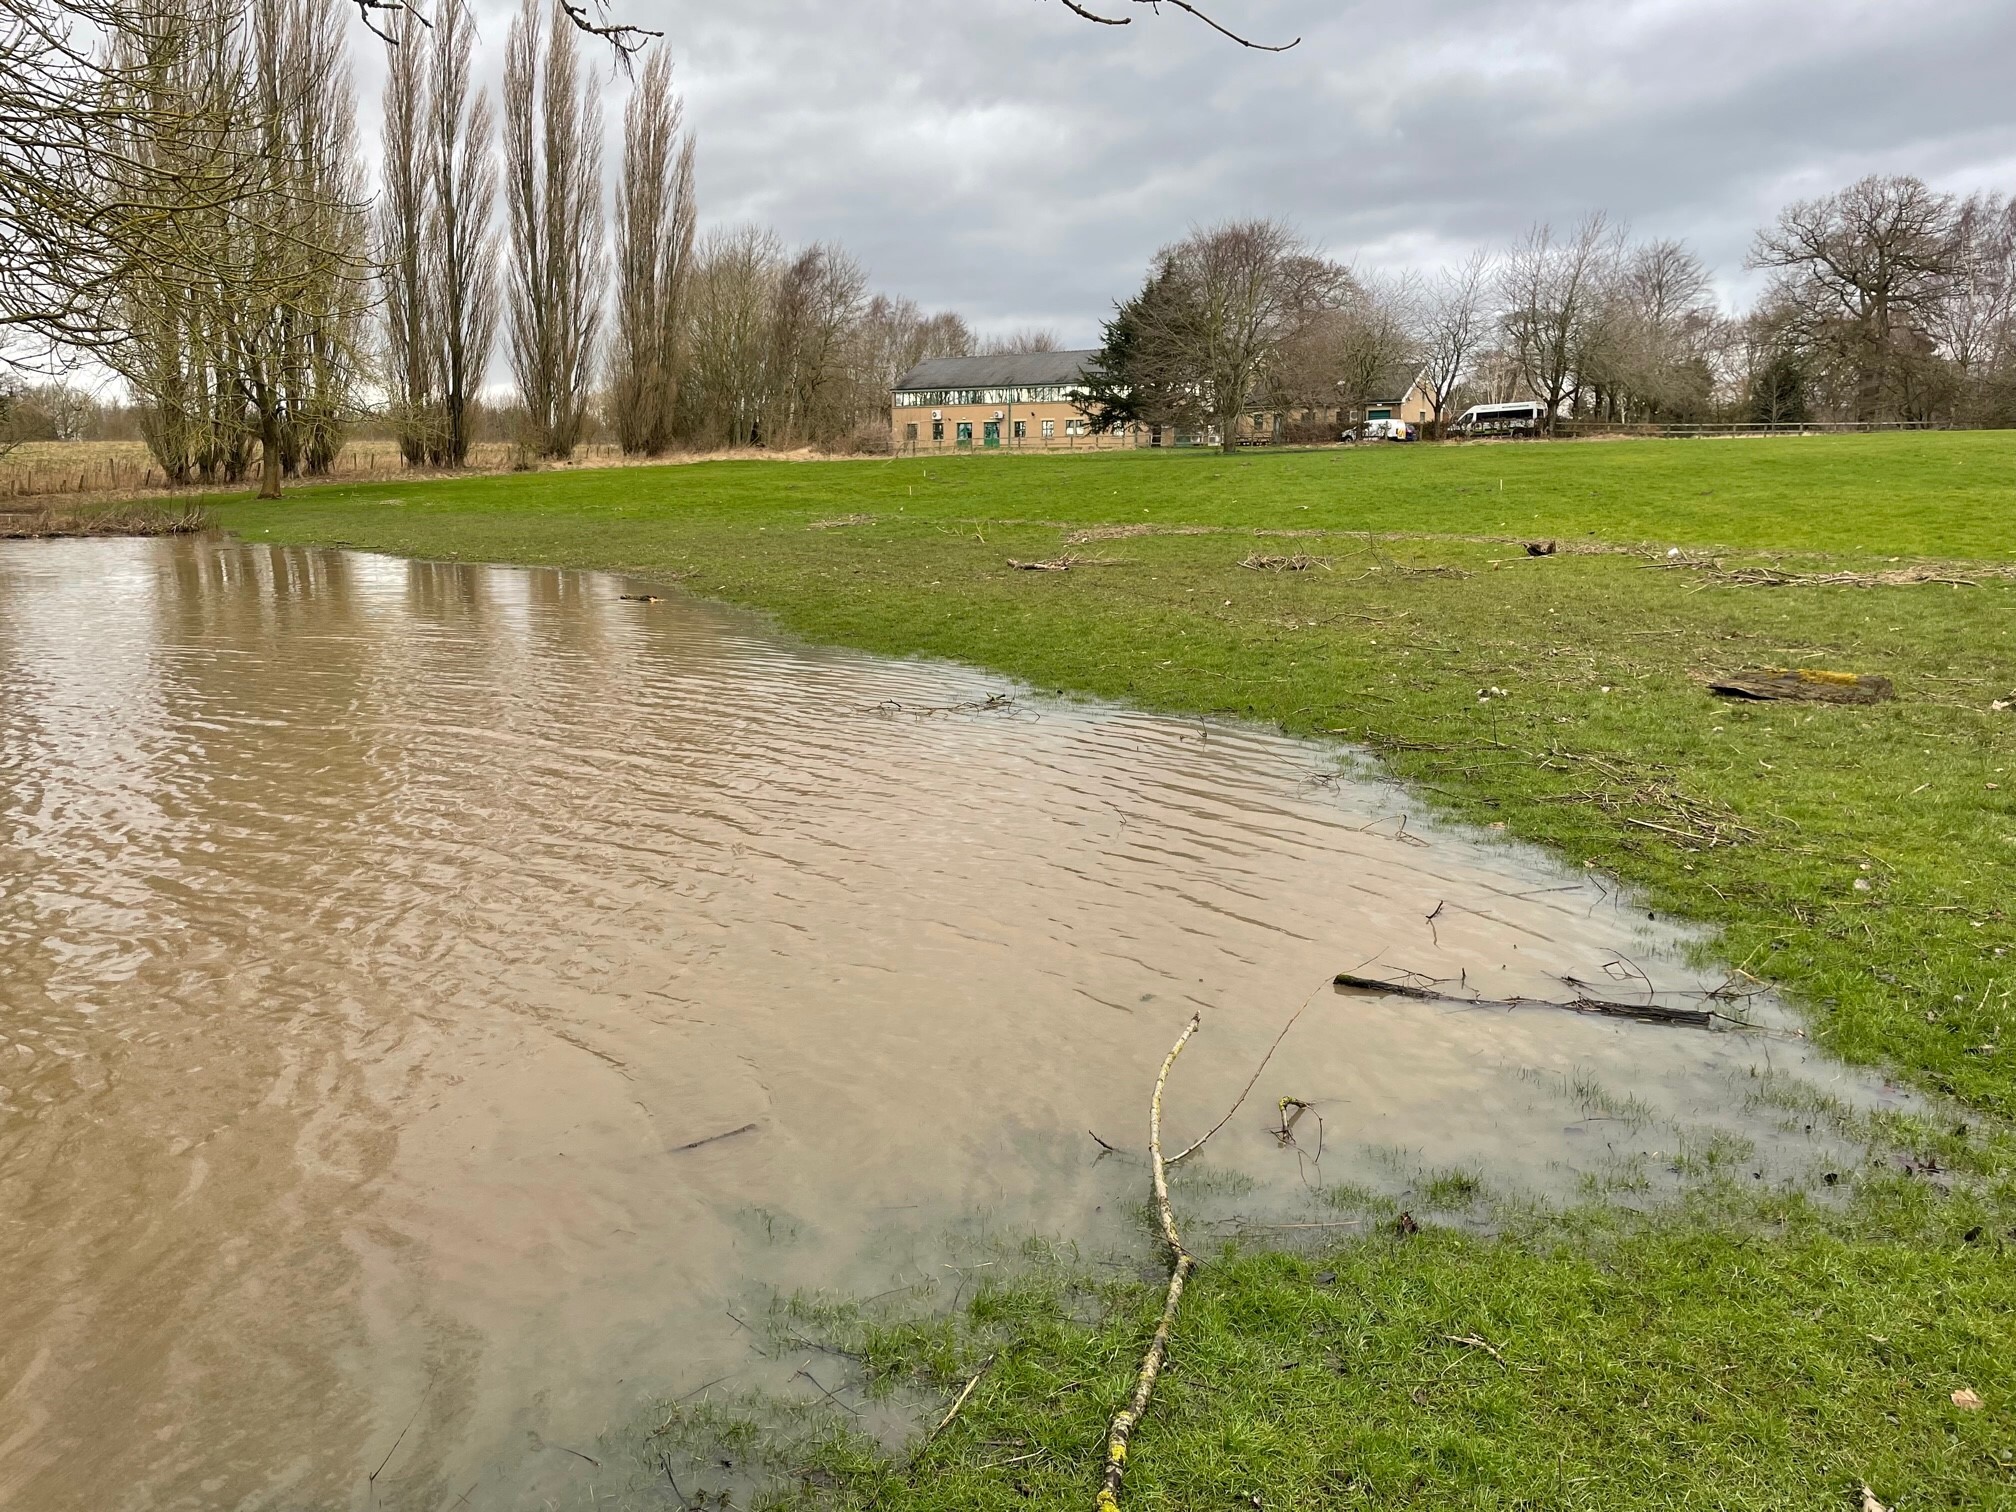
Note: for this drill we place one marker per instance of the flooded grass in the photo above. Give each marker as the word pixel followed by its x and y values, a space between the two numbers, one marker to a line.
pixel 1583 1358
pixel 1752 1344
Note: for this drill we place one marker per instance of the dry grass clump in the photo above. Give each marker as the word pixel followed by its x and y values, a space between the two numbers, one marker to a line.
pixel 50 523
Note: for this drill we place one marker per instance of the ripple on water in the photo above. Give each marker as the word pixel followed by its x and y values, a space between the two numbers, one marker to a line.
pixel 386 949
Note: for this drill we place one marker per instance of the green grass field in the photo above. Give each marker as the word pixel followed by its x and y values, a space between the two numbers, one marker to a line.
pixel 1861 859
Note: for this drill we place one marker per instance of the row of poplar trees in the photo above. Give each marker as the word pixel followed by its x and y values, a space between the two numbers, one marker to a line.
pixel 242 339
pixel 294 301
pixel 668 337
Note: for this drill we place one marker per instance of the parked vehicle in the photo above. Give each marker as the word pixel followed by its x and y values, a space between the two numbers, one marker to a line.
pixel 1521 418
pixel 1381 430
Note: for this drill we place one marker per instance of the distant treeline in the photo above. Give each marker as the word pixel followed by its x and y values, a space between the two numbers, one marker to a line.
pixel 189 208
pixel 1887 302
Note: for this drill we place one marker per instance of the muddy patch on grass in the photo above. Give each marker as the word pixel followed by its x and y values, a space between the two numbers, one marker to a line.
pixel 434 998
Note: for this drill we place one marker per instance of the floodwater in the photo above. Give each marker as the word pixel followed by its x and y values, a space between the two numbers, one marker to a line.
pixel 433 997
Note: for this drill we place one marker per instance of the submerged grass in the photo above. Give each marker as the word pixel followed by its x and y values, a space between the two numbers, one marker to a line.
pixel 1729 1353
pixel 1862 858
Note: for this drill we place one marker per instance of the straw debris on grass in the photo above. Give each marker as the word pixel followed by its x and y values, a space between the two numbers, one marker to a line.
pixel 1301 561
pixel 54 523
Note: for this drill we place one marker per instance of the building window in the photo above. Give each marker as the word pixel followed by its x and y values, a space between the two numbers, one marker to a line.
pixel 937 430
pixel 1021 430
pixel 1049 429
pixel 910 432
pixel 965 432
pixel 1074 427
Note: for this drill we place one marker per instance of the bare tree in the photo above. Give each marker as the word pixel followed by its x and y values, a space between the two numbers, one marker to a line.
pixel 462 184
pixel 1024 339
pixel 553 202
pixel 729 382
pixel 1974 323
pixel 293 326
pixel 1219 308
pixel 1454 324
pixel 1553 293
pixel 818 299
pixel 110 174
pixel 1865 269
pixel 655 222
pixel 1366 349
pixel 405 274
pixel 1660 335
pixel 159 321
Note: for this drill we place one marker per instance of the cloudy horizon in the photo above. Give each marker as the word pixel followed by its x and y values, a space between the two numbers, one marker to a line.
pixel 1013 163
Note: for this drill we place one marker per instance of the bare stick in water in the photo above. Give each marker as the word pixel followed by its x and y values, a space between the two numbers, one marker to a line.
pixel 1182 1155
pixel 1181 1263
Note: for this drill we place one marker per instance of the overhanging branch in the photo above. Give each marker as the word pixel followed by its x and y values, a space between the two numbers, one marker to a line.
pixel 1188 9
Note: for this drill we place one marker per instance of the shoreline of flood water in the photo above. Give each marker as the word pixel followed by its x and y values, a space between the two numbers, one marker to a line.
pixel 457 986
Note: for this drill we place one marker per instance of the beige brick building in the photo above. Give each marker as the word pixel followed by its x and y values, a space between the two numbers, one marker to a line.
pixel 1024 401
pixel 1019 401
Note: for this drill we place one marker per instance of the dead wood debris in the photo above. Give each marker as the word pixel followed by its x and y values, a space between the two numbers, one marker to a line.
pixel 992 703
pixel 1690 822
pixel 1301 561
pixel 1650 1013
pixel 1181 1264
pixel 1805 685
pixel 842 522
pixel 952 1412
pixel 1064 563
pixel 1951 574
pixel 1542 548
pixel 1093 533
pixel 694 1144
pixel 640 598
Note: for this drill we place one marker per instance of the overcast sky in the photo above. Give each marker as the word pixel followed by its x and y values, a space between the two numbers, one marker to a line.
pixel 1007 160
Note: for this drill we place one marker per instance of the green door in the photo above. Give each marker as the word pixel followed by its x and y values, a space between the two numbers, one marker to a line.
pixel 991 436
pixel 965 433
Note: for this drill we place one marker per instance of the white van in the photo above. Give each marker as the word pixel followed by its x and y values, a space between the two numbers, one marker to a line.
pixel 1518 419
pixel 1382 429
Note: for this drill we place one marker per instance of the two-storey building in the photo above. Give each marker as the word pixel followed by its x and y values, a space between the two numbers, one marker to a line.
pixel 1017 400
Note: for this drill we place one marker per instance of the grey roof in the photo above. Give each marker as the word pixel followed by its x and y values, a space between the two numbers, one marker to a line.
pixel 1010 370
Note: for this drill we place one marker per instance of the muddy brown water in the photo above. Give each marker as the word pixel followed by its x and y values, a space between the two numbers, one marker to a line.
pixel 433 997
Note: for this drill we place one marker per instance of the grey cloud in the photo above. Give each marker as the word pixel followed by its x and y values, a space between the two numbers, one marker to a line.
pixel 1001 158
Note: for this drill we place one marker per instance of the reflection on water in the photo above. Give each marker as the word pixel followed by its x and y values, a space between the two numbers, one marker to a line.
pixel 385 947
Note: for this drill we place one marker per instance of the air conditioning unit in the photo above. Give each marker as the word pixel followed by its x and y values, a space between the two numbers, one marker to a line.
pixel 1000 414
pixel 937 414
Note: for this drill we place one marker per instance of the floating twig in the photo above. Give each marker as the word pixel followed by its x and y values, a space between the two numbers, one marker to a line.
pixel 1182 1155
pixel 748 1128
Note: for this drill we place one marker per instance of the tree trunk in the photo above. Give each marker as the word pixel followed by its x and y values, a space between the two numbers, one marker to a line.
pixel 269 455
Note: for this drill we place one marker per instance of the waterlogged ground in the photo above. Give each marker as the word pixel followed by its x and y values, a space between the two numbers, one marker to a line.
pixel 437 1002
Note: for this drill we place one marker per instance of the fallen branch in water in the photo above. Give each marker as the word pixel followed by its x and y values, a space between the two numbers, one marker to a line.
pixel 1181 1263
pixel 1182 1155
pixel 1650 1013
pixel 694 1144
